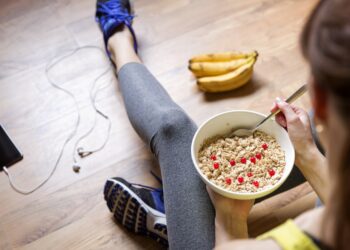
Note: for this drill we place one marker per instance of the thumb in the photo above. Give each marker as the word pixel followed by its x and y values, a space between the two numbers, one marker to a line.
pixel 287 110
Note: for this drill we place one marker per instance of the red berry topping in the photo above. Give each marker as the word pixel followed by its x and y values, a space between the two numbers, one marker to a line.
pixel 272 172
pixel 216 165
pixel 264 146
pixel 232 163
pixel 213 157
pixel 258 156
pixel 240 179
pixel 256 183
pixel 249 174
pixel 228 181
pixel 244 160
pixel 252 160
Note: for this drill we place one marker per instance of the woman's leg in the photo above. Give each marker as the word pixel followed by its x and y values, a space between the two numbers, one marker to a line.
pixel 163 125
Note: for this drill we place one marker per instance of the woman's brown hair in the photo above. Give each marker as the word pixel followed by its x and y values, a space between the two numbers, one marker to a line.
pixel 326 45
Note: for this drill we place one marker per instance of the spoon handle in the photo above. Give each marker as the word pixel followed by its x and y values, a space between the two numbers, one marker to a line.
pixel 289 100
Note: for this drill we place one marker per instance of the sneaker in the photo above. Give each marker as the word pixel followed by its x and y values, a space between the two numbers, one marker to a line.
pixel 110 14
pixel 138 208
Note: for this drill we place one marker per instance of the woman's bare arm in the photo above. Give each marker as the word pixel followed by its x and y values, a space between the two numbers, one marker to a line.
pixel 268 244
pixel 314 168
pixel 307 157
pixel 310 222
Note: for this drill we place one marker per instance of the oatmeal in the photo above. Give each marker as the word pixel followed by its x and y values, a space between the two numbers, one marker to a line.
pixel 242 164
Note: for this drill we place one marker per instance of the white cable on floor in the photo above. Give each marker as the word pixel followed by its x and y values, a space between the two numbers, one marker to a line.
pixel 48 67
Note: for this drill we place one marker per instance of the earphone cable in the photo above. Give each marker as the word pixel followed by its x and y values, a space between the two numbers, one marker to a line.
pixel 97 112
pixel 71 135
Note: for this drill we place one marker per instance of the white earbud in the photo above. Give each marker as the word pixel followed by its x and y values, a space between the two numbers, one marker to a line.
pixel 83 153
pixel 76 167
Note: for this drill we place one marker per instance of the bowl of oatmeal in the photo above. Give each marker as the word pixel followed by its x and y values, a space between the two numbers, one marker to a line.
pixel 242 167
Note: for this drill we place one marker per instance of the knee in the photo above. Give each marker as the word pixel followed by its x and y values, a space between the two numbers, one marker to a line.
pixel 175 122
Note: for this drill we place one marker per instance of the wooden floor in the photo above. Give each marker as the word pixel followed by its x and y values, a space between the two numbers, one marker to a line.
pixel 69 211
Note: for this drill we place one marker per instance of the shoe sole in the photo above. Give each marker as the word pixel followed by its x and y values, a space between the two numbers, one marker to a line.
pixel 133 213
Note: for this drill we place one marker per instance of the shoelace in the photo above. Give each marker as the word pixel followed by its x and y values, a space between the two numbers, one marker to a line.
pixel 113 10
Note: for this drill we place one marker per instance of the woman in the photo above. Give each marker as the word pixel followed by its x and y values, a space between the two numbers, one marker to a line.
pixel 326 46
pixel 190 217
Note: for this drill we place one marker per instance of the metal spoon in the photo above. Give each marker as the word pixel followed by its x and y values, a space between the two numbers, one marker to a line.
pixel 247 132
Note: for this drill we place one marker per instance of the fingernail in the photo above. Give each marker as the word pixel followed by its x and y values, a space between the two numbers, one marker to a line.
pixel 278 100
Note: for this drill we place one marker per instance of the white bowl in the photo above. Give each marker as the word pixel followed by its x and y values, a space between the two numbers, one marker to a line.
pixel 222 124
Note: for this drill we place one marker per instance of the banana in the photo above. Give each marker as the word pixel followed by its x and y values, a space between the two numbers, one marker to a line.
pixel 200 69
pixel 222 57
pixel 228 81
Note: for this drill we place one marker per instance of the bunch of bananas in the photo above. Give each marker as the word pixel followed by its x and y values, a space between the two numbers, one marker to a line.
pixel 222 71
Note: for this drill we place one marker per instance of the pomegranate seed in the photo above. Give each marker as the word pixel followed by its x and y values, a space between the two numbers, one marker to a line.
pixel 228 181
pixel 249 174
pixel 271 172
pixel 213 157
pixel 264 146
pixel 232 163
pixel 253 160
pixel 240 179
pixel 216 165
pixel 258 156
pixel 256 183
pixel 244 160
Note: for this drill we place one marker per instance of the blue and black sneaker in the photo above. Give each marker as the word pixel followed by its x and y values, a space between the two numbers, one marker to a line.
pixel 137 207
pixel 110 15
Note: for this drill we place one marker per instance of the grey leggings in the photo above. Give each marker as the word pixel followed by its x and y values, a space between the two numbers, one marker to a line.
pixel 163 125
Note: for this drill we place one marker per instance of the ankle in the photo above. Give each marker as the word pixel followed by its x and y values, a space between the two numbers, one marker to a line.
pixel 121 36
pixel 120 42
